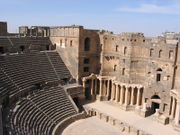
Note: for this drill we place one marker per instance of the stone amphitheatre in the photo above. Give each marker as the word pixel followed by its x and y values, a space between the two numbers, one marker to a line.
pixel 74 81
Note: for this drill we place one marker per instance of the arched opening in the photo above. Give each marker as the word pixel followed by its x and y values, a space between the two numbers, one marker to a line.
pixel 22 48
pixel 123 71
pixel 71 43
pixel 155 103
pixel 160 53
pixel 125 50
pixel 158 75
pixel 87 44
pixel 151 52
pixel 117 48
pixel 115 67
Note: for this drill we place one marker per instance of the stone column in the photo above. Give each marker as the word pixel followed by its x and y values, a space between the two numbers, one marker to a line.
pixel 95 87
pixel 101 85
pixel 117 93
pixel 126 96
pixel 112 92
pixel 92 86
pixel 173 107
pixel 132 96
pixel 121 96
pixel 177 115
pixel 138 96
pixel 108 88
pixel 84 85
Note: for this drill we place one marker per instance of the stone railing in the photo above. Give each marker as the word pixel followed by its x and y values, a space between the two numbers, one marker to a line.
pixel 123 126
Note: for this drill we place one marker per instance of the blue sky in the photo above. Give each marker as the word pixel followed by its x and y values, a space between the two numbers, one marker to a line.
pixel 151 17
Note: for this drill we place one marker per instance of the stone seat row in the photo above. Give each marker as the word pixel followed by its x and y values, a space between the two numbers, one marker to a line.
pixel 26 70
pixel 33 117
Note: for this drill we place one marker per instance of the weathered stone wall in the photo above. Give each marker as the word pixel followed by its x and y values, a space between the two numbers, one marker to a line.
pixel 93 54
pixel 3 28
pixel 67 43
pixel 70 43
pixel 132 58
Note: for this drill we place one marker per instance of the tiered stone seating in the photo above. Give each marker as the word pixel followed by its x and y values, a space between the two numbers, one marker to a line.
pixel 4 42
pixel 5 85
pixel 13 44
pixel 40 112
pixel 26 41
pixel 26 70
pixel 59 65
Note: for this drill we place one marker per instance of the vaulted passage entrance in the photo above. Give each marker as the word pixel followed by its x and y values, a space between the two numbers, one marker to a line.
pixel 155 103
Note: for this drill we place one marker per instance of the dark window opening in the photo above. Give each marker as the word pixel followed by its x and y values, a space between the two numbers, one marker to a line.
pixel 125 50
pixel 151 52
pixel 115 67
pixel 160 53
pixel 71 42
pixel 86 69
pixel 22 48
pixel 117 48
pixel 87 44
pixel 123 71
pixel 86 61
pixel 158 77
pixel 65 42
pixel 61 42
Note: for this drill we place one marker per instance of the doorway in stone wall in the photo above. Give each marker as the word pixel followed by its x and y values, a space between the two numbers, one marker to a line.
pixel 155 103
pixel 154 107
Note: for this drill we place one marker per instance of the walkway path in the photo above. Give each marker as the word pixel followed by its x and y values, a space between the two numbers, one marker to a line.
pixel 92 126
pixel 145 124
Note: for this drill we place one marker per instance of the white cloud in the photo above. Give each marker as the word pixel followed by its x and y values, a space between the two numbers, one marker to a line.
pixel 151 8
